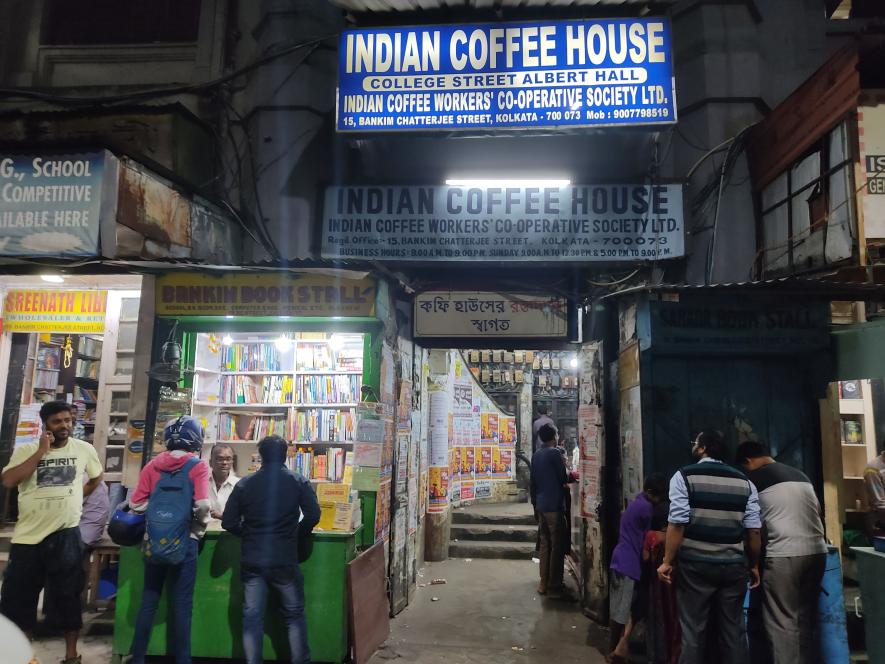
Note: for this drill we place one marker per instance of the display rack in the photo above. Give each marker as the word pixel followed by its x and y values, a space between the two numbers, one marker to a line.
pixel 304 387
pixel 858 434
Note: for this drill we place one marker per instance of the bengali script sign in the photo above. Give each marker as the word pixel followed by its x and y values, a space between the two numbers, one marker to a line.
pixel 579 73
pixel 482 314
pixel 59 311
pixel 626 222
pixel 275 294
pixel 50 204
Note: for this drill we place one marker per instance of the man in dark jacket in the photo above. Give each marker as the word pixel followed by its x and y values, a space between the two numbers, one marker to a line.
pixel 548 491
pixel 264 510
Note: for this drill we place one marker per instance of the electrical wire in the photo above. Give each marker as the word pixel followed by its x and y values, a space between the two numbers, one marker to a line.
pixel 613 283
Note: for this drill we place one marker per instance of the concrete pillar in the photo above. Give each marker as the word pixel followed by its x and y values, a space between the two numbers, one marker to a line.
pixel 438 531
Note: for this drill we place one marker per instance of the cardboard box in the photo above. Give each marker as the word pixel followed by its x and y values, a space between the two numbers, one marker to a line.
pixel 333 492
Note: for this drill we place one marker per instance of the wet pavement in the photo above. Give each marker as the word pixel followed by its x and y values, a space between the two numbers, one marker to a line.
pixel 488 611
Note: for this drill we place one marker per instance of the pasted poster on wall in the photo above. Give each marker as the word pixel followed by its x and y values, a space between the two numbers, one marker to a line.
pixel 489 428
pixel 439 489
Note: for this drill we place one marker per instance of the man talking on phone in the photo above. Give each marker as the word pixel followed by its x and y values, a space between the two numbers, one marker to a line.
pixel 46 544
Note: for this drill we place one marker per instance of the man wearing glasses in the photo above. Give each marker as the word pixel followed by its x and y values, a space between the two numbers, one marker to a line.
pixel 714 541
pixel 224 479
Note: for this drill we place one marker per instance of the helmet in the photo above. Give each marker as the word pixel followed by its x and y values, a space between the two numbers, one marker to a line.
pixel 185 433
pixel 126 527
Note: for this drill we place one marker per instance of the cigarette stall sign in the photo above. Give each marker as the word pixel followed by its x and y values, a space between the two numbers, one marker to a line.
pixel 579 223
pixel 594 72
pixel 50 204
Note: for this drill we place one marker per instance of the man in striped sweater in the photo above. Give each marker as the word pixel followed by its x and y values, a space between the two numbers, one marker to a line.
pixel 714 540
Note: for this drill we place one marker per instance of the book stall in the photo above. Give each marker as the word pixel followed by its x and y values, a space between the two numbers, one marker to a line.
pixel 271 354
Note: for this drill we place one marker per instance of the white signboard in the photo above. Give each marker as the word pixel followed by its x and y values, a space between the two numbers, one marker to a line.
pixel 871 120
pixel 576 223
pixel 481 314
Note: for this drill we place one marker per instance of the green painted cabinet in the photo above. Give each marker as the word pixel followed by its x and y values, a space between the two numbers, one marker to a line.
pixel 218 602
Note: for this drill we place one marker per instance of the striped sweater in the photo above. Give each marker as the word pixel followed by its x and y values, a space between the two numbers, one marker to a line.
pixel 717 497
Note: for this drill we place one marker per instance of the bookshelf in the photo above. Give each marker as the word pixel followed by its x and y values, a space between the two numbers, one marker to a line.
pixel 858 435
pixel 304 387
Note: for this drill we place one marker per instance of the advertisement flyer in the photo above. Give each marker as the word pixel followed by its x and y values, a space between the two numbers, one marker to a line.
pixel 467 491
pixel 468 462
pixel 482 489
pixel 507 431
pixel 489 428
pixel 439 489
pixel 483 463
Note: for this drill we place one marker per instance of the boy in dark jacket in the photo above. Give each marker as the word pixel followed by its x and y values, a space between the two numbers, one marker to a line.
pixel 264 511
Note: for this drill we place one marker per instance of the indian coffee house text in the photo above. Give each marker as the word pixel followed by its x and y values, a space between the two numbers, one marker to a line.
pixel 579 222
pixel 554 73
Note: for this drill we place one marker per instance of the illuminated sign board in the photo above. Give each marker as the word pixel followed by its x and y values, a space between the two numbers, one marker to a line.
pixel 583 73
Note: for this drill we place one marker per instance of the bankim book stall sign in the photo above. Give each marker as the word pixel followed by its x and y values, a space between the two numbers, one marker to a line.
pixel 579 73
pixel 605 223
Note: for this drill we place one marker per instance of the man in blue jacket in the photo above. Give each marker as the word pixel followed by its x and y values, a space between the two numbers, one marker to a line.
pixel 264 511
pixel 548 490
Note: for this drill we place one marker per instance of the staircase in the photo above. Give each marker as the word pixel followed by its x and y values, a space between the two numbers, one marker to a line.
pixel 501 531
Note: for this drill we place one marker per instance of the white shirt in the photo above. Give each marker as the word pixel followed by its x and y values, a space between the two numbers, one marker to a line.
pixel 218 496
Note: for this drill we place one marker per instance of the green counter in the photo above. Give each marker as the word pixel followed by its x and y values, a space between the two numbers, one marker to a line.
pixel 218 601
pixel 871 574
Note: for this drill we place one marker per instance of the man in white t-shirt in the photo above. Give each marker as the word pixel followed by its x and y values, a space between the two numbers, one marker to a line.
pixel 223 480
pixel 46 544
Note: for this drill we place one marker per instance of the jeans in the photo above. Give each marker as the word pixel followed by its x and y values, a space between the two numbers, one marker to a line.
pixel 552 550
pixel 181 588
pixel 289 585
pixel 712 589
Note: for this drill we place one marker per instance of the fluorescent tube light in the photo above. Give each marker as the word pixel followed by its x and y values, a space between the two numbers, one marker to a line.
pixel 53 278
pixel 503 183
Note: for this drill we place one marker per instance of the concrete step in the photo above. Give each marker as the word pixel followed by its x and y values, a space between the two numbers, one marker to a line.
pixel 496 550
pixel 468 517
pixel 495 533
pixel 4 560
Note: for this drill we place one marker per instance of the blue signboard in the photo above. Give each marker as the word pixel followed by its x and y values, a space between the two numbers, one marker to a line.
pixel 547 74
pixel 50 204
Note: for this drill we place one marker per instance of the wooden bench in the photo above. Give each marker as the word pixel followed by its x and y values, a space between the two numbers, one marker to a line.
pixel 99 558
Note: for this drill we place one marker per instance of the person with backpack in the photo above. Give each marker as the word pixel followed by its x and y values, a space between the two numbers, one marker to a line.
pixel 173 493
pixel 264 510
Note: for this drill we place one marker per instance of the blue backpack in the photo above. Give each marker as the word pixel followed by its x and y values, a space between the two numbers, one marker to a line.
pixel 168 518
